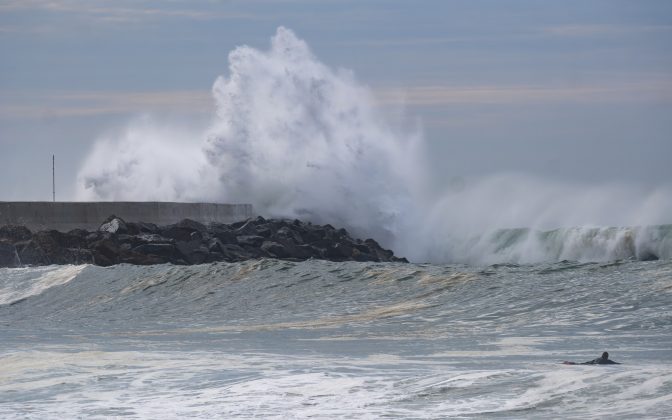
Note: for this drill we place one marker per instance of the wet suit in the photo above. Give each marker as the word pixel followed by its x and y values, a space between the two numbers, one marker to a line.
pixel 604 360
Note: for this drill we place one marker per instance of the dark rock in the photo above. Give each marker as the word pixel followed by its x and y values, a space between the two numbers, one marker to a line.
pixel 79 233
pixel 191 225
pixel 250 240
pixel 264 231
pixel 9 257
pixel 359 255
pixel 163 250
pixel 248 229
pixel 188 242
pixel 13 233
pixel 647 256
pixel 225 236
pixel 80 256
pixel 153 238
pixel 275 249
pixel 287 235
pixel 105 252
pixel 233 253
pixel 177 233
pixel 193 251
pixel 238 225
pixel 114 224
pixel 136 228
pixel 339 251
pixel 30 253
pixel 306 251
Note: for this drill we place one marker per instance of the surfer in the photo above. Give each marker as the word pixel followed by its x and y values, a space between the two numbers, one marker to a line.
pixel 604 360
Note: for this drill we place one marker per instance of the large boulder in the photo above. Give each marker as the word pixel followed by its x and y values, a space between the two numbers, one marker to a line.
pixel 105 252
pixel 13 233
pixel 137 228
pixel 114 224
pixel 275 249
pixel 8 255
pixel 194 251
pixel 250 240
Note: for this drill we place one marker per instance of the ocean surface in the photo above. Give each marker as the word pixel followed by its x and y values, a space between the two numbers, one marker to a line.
pixel 317 339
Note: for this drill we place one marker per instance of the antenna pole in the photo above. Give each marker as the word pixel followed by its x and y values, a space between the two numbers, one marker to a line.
pixel 53 178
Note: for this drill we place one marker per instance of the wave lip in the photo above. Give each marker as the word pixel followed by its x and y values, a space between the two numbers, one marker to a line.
pixel 583 244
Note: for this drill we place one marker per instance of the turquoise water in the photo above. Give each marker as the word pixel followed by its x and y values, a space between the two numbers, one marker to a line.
pixel 265 339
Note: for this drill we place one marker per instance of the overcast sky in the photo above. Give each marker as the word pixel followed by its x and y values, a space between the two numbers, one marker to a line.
pixel 579 91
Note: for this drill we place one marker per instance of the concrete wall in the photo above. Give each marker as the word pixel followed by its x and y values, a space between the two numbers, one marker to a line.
pixel 65 216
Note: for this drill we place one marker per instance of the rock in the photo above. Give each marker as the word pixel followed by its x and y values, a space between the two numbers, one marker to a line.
pixel 339 251
pixel 359 255
pixel 136 228
pixel 186 230
pixel 247 229
pixel 166 251
pixel 306 251
pixel 233 253
pixel 287 235
pixel 154 238
pixel 250 240
pixel 9 256
pixel 193 251
pixel 223 232
pixel 13 233
pixel 114 224
pixel 105 252
pixel 275 249
pixel 187 242
pixel 30 253
pixel 191 225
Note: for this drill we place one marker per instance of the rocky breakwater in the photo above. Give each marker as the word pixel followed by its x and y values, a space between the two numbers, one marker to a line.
pixel 187 242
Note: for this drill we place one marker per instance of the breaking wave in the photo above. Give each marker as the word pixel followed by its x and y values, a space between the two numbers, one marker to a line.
pixel 296 138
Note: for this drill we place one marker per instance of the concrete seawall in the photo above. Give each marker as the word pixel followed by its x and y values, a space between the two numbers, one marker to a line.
pixel 65 216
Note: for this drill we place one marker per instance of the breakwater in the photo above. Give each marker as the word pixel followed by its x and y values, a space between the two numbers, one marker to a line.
pixel 65 216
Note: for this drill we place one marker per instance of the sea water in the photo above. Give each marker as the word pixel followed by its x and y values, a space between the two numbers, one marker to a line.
pixel 317 339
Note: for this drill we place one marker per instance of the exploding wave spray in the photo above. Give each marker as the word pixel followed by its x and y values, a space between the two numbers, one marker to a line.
pixel 298 139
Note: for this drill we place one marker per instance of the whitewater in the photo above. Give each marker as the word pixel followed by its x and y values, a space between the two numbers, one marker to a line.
pixel 511 274
pixel 279 339
pixel 299 139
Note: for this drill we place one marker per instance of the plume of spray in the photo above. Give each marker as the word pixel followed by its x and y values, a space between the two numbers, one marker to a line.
pixel 291 136
pixel 296 138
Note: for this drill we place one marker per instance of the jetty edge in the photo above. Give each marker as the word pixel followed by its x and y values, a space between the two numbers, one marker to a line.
pixel 186 242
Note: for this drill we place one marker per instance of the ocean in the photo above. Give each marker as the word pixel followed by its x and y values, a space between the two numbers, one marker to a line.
pixel 318 339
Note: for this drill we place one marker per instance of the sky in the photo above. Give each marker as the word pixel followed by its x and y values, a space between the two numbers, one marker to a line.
pixel 573 91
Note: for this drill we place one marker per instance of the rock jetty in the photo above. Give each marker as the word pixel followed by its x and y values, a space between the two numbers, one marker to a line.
pixel 185 243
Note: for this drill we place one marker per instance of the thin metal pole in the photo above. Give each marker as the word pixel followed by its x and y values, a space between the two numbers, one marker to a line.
pixel 53 177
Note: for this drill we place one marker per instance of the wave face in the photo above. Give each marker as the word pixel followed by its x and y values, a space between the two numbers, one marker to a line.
pixel 583 244
pixel 299 139
pixel 321 339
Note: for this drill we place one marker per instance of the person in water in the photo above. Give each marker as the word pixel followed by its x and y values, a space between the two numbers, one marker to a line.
pixel 604 360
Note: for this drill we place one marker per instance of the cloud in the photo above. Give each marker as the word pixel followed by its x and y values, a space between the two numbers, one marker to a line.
pixel 442 95
pixel 89 103
pixel 592 30
pixel 120 11
pixel 190 102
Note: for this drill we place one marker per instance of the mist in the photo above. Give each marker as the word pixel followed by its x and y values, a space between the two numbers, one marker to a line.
pixel 298 139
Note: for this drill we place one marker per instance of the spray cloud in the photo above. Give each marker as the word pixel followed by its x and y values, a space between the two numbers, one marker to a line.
pixel 296 138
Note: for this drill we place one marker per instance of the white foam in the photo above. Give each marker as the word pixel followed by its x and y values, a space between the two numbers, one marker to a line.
pixel 20 283
pixel 296 138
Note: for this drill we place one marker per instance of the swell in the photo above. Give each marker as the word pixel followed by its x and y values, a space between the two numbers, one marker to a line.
pixel 268 295
pixel 581 244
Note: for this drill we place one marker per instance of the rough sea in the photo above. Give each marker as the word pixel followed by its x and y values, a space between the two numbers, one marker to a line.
pixel 317 339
